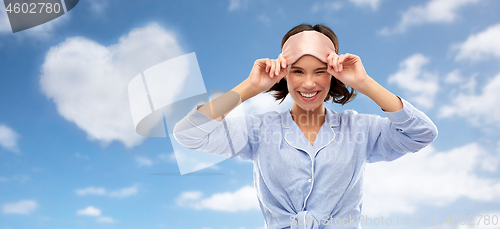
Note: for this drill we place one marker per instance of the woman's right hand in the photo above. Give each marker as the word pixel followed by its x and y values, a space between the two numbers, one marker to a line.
pixel 267 72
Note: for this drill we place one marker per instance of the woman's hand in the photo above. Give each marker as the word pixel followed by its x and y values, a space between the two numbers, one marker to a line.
pixel 267 72
pixel 348 69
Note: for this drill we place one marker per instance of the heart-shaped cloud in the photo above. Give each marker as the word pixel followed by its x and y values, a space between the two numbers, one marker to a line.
pixel 88 81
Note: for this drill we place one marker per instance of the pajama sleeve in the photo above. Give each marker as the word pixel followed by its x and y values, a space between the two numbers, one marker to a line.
pixel 404 131
pixel 228 137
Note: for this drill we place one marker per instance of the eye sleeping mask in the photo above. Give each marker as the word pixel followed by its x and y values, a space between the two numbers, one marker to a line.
pixel 307 42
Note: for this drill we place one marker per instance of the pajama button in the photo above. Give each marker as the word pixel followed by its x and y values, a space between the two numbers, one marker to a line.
pixel 309 180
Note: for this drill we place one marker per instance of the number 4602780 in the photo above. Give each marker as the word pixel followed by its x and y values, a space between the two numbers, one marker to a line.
pixel 33 8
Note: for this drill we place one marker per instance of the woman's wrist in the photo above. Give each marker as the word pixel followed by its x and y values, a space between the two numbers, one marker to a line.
pixel 384 98
pixel 368 86
pixel 246 90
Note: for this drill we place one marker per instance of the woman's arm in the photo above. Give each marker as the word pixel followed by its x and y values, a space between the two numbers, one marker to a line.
pixel 265 73
pixel 349 69
pixel 204 128
pixel 405 129
pixel 218 108
pixel 384 98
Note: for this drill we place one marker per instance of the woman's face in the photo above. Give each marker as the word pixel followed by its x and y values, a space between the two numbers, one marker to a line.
pixel 308 82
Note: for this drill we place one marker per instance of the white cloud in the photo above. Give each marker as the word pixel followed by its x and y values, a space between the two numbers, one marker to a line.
pixel 434 11
pixel 98 191
pixel 21 178
pixel 98 6
pixel 264 19
pixel 105 219
pixel 91 191
pixel 124 192
pixel 430 178
pixel 95 212
pixel 167 157
pixel 328 6
pixel 234 5
pixel 81 156
pixel 421 85
pixel 243 199
pixel 188 196
pixel 89 211
pixel 22 207
pixel 88 82
pixel 454 77
pixel 481 45
pixel 143 161
pixel 8 138
pixel 237 4
pixel 479 109
pixel 374 4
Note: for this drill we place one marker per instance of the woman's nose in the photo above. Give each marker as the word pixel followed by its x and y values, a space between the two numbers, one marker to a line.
pixel 309 82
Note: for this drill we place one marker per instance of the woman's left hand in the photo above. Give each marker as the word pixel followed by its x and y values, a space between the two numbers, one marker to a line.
pixel 348 69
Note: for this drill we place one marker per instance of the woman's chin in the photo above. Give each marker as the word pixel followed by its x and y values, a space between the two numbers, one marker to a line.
pixel 309 107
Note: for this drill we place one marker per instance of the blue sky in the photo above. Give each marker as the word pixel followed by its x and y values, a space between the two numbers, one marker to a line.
pixel 70 158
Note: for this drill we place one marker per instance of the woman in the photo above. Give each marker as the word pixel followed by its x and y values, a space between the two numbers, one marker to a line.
pixel 309 160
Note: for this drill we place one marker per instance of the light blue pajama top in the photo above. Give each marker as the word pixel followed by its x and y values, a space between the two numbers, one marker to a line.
pixel 300 185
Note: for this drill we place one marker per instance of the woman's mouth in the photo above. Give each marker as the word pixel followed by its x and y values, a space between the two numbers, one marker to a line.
pixel 308 96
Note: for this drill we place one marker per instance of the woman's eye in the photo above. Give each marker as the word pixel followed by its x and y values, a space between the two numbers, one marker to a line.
pixel 320 72
pixel 298 71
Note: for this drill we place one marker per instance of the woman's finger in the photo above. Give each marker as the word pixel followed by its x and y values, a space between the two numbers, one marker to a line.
pixel 351 58
pixel 278 67
pixel 341 61
pixel 329 60
pixel 335 62
pixel 273 68
pixel 268 65
pixel 283 61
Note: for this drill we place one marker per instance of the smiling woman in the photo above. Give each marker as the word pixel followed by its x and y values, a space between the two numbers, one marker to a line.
pixel 338 90
pixel 309 161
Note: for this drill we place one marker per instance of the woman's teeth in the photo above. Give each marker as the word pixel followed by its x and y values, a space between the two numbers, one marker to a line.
pixel 308 95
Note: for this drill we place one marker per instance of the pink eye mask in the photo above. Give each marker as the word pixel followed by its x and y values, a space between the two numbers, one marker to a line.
pixel 307 42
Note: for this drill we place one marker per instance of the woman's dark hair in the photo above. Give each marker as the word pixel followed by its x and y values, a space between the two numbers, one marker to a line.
pixel 338 91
